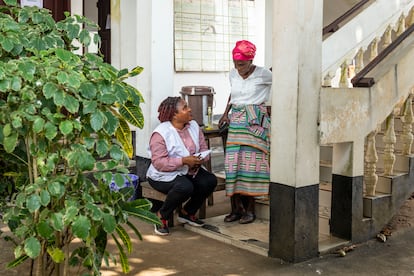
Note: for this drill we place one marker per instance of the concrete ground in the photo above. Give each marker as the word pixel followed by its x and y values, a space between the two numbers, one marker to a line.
pixel 188 253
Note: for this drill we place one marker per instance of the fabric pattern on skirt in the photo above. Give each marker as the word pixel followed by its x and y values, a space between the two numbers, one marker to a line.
pixel 247 171
pixel 247 160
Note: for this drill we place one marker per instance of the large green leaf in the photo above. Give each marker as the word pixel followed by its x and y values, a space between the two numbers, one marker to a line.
pixel 89 107
pixel 71 104
pixel 95 212
pixel 56 221
pixel 66 127
pixel 33 203
pixel 97 120
pixel 109 223
pixel 45 230
pixel 102 147
pixel 116 153
pixel 73 31
pixel 70 213
pixel 44 197
pixel 10 142
pixel 136 71
pixel 5 85
pixel 81 227
pixel 88 90
pixel 123 235
pixel 86 162
pixel 64 55
pixel 32 247
pixel 133 114
pixel 50 89
pixel 84 37
pixel 10 2
pixel 142 214
pixel 50 131
pixel 38 124
pixel 27 69
pixel 122 256
pixel 56 189
pixel 7 45
pixel 17 261
pixel 132 226
pixel 56 254
pixel 124 136
pixel 62 77
pixel 112 123
pixel 16 83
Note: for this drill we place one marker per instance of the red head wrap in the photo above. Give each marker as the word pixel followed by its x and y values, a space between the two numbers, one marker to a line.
pixel 244 50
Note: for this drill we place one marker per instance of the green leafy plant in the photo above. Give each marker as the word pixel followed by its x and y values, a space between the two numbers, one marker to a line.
pixel 65 136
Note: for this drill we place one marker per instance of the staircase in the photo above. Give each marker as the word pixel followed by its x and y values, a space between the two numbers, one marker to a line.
pixel 366 121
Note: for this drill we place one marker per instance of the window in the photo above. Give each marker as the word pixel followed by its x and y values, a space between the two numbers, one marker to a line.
pixel 205 32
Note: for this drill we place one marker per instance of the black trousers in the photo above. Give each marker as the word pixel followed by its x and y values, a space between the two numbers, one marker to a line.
pixel 183 188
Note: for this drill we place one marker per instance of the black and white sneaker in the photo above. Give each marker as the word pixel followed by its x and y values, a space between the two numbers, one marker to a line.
pixel 190 219
pixel 162 229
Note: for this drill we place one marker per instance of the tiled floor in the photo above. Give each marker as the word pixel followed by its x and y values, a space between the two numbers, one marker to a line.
pixel 253 237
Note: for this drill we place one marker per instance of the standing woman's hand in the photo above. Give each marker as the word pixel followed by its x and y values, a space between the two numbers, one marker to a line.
pixel 224 120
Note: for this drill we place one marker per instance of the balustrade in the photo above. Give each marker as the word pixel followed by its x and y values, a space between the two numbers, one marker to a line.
pixel 371 159
pixel 407 120
pixel 365 48
pixel 389 141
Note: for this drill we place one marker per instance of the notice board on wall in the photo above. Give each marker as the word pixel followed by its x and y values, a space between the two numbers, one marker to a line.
pixel 205 32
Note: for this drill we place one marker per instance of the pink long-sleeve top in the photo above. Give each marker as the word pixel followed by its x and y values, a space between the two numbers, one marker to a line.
pixel 159 154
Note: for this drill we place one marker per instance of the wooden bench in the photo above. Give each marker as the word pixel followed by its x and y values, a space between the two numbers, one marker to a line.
pixel 149 192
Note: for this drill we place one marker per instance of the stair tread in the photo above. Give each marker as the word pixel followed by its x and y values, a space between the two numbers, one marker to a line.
pixel 325 163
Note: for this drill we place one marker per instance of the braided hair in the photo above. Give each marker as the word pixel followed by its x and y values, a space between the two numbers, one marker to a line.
pixel 168 108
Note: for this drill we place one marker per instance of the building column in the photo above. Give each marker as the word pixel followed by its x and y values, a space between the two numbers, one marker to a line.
pixel 143 36
pixel 294 188
pixel 347 188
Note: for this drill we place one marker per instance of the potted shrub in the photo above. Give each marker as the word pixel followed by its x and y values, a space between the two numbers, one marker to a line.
pixel 64 136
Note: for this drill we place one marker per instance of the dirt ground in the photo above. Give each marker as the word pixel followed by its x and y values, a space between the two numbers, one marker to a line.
pixel 169 255
pixel 403 220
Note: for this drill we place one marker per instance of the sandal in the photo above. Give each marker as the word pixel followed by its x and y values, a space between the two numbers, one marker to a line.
pixel 232 217
pixel 247 218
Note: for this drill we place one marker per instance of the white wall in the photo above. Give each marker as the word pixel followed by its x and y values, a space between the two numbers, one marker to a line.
pixel 142 33
pixel 220 80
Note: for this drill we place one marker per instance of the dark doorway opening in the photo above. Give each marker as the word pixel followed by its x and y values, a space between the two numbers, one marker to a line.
pixel 104 22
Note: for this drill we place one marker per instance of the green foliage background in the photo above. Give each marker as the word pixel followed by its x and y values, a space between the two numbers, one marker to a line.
pixel 64 136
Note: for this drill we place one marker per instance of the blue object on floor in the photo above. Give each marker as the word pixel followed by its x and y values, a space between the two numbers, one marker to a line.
pixel 127 183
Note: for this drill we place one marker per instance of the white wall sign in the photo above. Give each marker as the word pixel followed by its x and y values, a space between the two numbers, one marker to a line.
pixel 206 30
pixel 38 3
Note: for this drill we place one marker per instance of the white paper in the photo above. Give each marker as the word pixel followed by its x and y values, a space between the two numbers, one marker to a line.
pixel 38 3
pixel 203 154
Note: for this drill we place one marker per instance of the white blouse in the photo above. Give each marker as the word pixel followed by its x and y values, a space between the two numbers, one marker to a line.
pixel 253 90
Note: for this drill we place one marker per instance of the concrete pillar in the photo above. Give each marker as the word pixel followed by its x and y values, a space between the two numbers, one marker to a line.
pixel 142 35
pixel 294 188
pixel 347 188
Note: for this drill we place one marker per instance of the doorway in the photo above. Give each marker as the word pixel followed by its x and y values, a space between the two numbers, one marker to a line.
pixel 104 22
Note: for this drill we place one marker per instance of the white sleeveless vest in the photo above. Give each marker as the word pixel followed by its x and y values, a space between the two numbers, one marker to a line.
pixel 175 148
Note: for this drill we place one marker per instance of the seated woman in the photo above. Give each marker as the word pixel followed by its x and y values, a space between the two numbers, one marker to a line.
pixel 176 166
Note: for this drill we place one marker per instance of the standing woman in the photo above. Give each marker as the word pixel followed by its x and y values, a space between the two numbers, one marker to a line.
pixel 247 148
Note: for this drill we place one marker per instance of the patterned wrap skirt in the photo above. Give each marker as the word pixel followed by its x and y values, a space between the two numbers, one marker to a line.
pixel 247 152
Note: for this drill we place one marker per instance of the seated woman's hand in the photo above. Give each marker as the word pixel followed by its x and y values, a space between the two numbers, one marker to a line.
pixel 192 161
